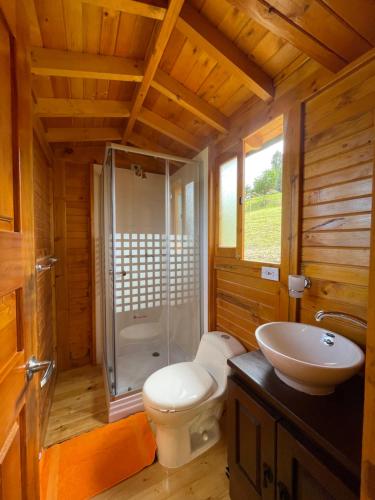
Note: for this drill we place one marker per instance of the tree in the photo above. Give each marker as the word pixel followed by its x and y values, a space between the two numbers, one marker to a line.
pixel 270 179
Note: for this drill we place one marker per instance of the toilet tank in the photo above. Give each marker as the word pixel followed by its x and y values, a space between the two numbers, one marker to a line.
pixel 214 350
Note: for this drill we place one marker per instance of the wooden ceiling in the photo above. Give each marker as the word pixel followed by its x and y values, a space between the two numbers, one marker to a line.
pixel 170 76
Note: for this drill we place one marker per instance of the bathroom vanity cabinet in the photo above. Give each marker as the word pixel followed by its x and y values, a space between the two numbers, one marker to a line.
pixel 287 445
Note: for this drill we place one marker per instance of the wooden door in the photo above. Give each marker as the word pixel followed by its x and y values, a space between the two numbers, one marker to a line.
pixel 251 446
pixel 45 276
pixel 19 398
pixel 302 476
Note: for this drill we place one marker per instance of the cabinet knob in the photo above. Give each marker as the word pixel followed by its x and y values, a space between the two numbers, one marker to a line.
pixel 283 491
pixel 267 475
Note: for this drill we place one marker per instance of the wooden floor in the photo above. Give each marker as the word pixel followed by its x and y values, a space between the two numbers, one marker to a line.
pixel 78 404
pixel 202 479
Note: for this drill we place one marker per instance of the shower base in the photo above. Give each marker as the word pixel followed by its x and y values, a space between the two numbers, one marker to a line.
pixel 133 368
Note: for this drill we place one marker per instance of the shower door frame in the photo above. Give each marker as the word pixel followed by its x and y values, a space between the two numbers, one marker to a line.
pixel 117 407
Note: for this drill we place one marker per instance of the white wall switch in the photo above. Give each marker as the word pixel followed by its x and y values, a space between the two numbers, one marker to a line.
pixel 270 273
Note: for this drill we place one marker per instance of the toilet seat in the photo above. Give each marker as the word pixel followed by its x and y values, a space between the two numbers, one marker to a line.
pixel 178 387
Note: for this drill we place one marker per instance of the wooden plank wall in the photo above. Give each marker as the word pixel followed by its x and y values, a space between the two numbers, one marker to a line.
pixel 243 299
pixel 337 187
pixel 338 159
pixel 72 201
pixel 44 247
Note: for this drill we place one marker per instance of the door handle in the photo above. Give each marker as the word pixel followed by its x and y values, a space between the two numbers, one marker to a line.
pixel 33 366
pixel 267 475
pixel 45 267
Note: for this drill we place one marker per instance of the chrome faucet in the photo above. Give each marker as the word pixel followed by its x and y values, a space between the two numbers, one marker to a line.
pixel 339 315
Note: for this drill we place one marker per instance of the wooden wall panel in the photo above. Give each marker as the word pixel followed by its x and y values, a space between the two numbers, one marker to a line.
pixel 72 200
pixel 45 295
pixel 338 170
pixel 243 299
pixel 337 158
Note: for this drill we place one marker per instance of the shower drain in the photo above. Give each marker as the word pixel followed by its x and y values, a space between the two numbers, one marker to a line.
pixel 156 354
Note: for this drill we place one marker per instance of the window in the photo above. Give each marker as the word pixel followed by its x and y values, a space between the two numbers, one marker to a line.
pixel 262 203
pixel 228 204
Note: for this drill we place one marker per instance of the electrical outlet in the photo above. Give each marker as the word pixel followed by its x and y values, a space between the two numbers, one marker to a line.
pixel 270 273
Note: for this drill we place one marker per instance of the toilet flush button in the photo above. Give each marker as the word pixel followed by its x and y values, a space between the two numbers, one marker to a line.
pixel 204 436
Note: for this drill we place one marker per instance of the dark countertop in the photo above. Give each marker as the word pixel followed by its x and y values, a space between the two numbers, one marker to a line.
pixel 333 422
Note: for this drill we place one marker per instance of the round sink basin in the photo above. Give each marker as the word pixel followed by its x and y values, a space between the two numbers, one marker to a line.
pixel 310 359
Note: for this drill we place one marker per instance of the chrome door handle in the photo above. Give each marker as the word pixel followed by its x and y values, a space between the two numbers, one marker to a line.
pixel 45 267
pixel 33 366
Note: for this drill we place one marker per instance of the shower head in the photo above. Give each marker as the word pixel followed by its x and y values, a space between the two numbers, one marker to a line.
pixel 138 171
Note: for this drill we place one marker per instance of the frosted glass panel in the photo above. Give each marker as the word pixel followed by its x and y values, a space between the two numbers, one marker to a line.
pixel 228 204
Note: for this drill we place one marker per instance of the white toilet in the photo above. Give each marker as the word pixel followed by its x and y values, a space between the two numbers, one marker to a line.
pixel 185 400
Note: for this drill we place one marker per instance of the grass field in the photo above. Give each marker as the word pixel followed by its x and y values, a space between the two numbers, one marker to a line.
pixel 262 228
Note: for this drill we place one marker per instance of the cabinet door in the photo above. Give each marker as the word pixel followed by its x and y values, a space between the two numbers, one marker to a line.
pixel 302 476
pixel 251 446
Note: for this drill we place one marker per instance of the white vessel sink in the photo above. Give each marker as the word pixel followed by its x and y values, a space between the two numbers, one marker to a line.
pixel 310 359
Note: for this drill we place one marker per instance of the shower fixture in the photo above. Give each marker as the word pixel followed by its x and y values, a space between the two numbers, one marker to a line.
pixel 138 171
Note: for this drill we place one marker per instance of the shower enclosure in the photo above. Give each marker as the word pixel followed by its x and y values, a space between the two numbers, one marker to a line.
pixel 150 206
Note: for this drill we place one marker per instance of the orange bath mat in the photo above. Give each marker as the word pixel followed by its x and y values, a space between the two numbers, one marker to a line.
pixel 84 466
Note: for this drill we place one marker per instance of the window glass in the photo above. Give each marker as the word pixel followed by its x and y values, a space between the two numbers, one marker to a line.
pixel 228 204
pixel 262 204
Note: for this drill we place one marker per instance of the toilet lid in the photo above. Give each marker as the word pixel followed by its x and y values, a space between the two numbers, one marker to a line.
pixel 178 387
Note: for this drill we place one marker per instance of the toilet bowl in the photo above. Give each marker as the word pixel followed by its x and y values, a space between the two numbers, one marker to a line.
pixel 185 400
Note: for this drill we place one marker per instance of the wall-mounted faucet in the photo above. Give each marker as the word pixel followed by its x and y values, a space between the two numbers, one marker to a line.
pixel 339 315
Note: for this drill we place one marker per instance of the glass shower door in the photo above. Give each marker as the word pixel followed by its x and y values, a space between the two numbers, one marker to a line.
pixel 184 266
pixel 141 305
pixel 107 228
pixel 151 264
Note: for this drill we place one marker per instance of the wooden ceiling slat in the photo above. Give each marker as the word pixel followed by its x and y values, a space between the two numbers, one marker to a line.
pixel 337 35
pixel 197 93
pixel 170 129
pixel 157 47
pixel 49 62
pixel 83 108
pixel 263 13
pixel 76 134
pixel 142 142
pixel 131 7
pixel 199 30
pixel 189 100
pixel 36 38
pixel 360 14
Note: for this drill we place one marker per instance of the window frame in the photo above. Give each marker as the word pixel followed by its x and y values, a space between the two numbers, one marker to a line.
pixel 267 142
pixel 233 252
pixel 266 134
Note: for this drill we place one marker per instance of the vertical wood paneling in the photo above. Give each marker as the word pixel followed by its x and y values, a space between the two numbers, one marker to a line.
pixel 72 197
pixel 338 171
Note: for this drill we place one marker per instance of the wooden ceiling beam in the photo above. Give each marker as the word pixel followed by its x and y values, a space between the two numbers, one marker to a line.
pixel 82 108
pixel 50 62
pixel 112 68
pixel 169 129
pixel 136 8
pixel 75 134
pixel 206 36
pixel 156 50
pixel 268 16
pixel 187 99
